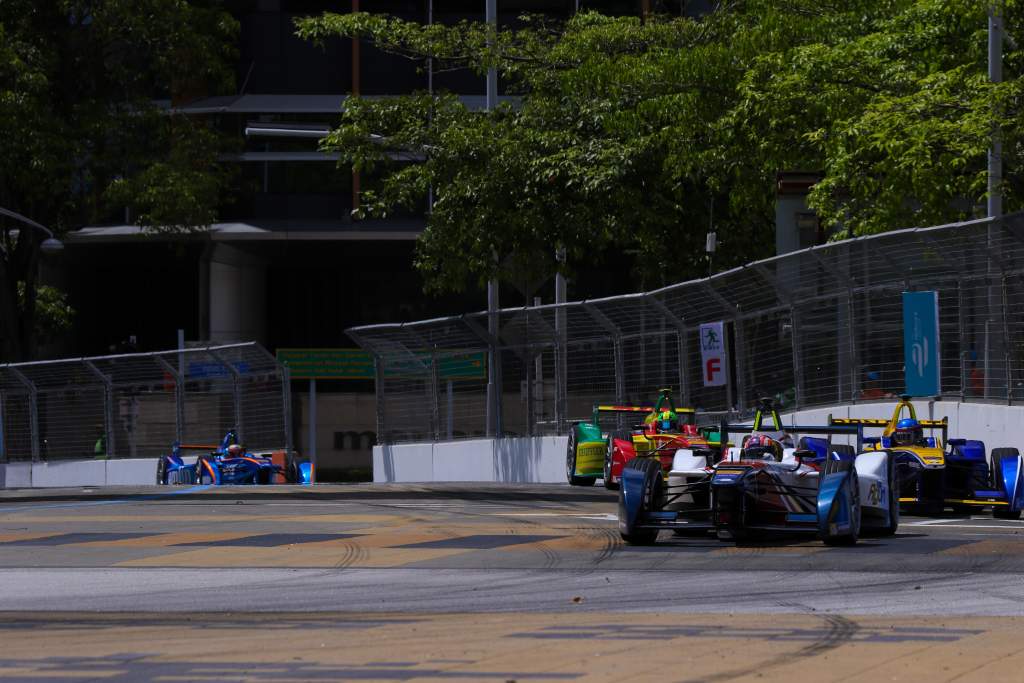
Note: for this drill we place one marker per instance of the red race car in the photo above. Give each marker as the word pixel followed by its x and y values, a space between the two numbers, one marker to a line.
pixel 664 430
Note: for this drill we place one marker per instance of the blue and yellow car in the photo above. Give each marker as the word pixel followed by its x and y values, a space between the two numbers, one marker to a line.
pixel 938 472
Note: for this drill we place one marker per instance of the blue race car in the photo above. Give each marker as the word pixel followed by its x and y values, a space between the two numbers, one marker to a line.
pixel 228 463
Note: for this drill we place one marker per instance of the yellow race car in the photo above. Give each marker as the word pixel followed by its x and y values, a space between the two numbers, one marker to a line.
pixel 938 472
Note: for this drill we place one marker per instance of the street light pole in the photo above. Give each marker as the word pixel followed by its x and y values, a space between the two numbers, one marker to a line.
pixel 995 75
pixel 50 244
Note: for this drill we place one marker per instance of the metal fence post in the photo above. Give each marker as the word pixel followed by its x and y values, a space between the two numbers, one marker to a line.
pixel 435 406
pixel 962 332
pixel 179 397
pixel 741 363
pixel 798 367
pixel 854 375
pixel 236 392
pixel 108 407
pixel 286 406
pixel 378 379
pixel 1005 314
pixel 677 322
pixel 33 410
pixel 684 380
pixel 3 434
pixel 528 377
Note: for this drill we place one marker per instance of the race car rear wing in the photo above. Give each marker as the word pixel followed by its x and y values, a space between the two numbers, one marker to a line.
pixel 852 429
pixel 942 424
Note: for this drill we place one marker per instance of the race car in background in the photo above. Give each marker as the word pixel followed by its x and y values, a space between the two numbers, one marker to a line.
pixel 935 473
pixel 765 486
pixel 593 454
pixel 229 463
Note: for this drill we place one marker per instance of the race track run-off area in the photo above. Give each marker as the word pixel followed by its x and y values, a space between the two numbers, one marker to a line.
pixel 471 583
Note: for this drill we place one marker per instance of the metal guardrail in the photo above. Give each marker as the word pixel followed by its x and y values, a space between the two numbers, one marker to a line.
pixel 136 405
pixel 820 326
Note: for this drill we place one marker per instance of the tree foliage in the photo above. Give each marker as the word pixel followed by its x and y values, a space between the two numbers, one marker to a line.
pixel 637 135
pixel 85 135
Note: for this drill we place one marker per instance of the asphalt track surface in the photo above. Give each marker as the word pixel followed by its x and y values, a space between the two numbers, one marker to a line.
pixel 443 582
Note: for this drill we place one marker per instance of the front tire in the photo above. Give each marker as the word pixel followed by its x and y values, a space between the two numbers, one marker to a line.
pixel 998 455
pixel 570 463
pixel 894 498
pixel 161 471
pixel 853 491
pixel 653 492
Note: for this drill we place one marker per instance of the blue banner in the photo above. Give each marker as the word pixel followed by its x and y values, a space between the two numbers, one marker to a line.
pixel 921 343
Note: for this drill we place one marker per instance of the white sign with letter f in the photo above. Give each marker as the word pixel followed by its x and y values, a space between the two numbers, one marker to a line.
pixel 714 367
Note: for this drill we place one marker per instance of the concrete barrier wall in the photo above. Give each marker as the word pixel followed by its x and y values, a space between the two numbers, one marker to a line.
pixel 542 459
pixel 537 460
pixel 63 473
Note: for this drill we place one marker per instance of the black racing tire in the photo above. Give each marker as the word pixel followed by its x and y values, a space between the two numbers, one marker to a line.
pixel 851 538
pixel 161 471
pixel 894 497
pixel 202 478
pixel 653 491
pixel 570 462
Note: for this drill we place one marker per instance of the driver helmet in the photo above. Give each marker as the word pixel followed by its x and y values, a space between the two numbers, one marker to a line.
pixel 762 447
pixel 908 432
pixel 667 421
pixel 235 451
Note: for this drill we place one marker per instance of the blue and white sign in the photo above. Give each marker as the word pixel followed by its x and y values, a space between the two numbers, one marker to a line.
pixel 921 343
pixel 713 355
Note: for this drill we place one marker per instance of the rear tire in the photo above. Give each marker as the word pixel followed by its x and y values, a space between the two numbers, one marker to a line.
pixel 608 483
pixel 653 491
pixel 202 474
pixel 161 471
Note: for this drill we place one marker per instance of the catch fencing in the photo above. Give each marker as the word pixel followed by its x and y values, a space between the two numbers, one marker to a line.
pixel 136 405
pixel 816 327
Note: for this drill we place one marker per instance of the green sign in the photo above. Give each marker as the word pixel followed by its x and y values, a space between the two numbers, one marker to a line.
pixel 358 364
pixel 327 363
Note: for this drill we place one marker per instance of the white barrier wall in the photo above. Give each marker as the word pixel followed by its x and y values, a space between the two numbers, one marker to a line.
pixel 537 460
pixel 541 460
pixel 65 473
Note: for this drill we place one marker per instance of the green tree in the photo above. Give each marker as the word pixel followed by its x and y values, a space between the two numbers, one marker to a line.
pixel 81 85
pixel 637 135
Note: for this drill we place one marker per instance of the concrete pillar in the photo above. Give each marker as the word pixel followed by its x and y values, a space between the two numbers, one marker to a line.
pixel 236 295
